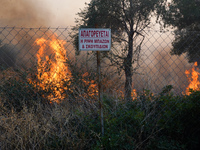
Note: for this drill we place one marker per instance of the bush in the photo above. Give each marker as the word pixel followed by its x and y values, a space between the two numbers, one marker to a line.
pixel 159 122
pixel 17 92
pixel 180 123
pixel 162 121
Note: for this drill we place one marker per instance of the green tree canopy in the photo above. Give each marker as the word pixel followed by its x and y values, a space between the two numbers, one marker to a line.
pixel 184 15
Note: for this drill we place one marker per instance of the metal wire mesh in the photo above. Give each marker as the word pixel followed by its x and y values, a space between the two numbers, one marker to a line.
pixel 157 67
pixel 42 63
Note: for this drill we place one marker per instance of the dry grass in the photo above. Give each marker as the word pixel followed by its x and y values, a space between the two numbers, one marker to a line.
pixel 49 127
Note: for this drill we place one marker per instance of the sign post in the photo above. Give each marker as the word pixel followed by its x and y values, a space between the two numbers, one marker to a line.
pixel 99 91
pixel 96 39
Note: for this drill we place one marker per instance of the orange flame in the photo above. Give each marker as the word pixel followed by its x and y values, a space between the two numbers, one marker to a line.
pixel 92 86
pixel 194 83
pixel 53 73
pixel 134 94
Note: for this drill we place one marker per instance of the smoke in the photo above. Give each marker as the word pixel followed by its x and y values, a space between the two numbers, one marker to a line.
pixel 16 47
pixel 7 58
pixel 163 69
pixel 23 13
pixel 16 44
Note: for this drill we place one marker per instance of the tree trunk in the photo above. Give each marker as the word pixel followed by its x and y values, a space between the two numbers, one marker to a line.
pixel 128 69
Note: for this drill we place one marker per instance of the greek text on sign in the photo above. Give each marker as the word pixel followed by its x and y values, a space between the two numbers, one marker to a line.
pixel 94 39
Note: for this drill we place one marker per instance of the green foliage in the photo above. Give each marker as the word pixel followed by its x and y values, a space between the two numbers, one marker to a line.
pixel 181 13
pixel 151 122
pixel 179 123
pixel 187 41
pixel 162 121
pixel 184 15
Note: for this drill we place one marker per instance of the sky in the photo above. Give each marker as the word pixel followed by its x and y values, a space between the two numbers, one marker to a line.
pixel 34 13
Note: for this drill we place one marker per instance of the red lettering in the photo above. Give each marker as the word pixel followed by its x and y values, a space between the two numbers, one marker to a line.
pixel 107 34
pixel 94 33
pixel 82 33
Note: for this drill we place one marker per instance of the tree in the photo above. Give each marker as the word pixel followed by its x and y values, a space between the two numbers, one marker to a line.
pixel 184 15
pixel 127 20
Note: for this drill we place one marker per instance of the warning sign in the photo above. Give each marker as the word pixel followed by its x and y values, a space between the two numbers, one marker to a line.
pixel 94 39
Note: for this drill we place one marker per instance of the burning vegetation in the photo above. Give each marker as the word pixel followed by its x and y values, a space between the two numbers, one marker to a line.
pixel 55 77
pixel 193 79
pixel 53 72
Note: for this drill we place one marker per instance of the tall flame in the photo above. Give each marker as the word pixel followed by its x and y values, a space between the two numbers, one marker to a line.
pixel 53 73
pixel 194 83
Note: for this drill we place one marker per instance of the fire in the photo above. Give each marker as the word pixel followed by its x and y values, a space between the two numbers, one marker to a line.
pixel 134 94
pixel 92 86
pixel 53 73
pixel 194 83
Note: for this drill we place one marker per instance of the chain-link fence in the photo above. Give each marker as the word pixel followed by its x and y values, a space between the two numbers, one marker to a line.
pixel 42 65
pixel 156 67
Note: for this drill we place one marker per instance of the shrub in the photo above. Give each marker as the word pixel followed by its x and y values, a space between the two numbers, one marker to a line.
pixel 162 121
pixel 16 91
pixel 180 123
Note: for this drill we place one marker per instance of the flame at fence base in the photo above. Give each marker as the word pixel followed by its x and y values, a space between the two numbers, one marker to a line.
pixel 92 86
pixel 194 83
pixel 53 74
pixel 55 78
pixel 134 94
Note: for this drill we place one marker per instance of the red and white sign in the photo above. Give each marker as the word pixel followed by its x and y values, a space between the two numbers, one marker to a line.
pixel 94 39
